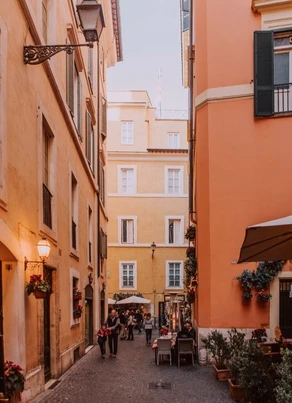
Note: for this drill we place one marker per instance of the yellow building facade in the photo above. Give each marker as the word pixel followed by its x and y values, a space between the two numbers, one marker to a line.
pixel 52 185
pixel 147 199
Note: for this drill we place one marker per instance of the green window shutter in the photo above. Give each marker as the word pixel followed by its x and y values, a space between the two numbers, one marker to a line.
pixel 263 73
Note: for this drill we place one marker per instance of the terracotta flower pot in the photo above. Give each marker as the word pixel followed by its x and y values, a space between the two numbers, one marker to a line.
pixel 236 391
pixel 222 374
pixel 40 294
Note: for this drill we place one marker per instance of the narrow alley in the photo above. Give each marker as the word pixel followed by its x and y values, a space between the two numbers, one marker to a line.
pixel 133 377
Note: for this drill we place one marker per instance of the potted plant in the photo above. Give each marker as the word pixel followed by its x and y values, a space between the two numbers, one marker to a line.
pixel 40 288
pixel 259 336
pixel 14 379
pixel 263 296
pixel 283 389
pixel 219 348
pixel 191 252
pixel 190 232
pixel 191 295
pixel 77 311
pixel 77 295
pixel 256 375
pixel 238 347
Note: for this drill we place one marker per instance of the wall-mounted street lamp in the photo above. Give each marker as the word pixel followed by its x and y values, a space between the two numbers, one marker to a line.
pixel 44 248
pixel 91 22
pixel 153 247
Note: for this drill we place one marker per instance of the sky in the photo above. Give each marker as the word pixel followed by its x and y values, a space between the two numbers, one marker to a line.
pixel 151 41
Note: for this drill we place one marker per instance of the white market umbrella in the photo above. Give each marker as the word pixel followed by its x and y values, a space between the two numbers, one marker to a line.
pixel 134 300
pixel 111 301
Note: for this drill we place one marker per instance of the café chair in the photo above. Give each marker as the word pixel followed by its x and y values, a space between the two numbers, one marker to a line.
pixel 185 347
pixel 164 348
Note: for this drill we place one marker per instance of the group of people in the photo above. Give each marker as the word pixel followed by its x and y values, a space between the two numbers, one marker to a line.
pixel 121 325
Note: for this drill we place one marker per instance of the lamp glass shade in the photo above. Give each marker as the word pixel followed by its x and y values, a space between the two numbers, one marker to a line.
pixel 91 19
pixel 44 248
pixel 153 246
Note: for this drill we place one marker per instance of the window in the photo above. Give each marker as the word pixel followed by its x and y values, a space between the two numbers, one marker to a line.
pixel 128 276
pixel 47 195
pixel 90 67
pixel 101 182
pixel 74 212
pixel 90 234
pixel 127 133
pixel 45 20
pixel 173 180
pixel 174 230
pixel 273 72
pixel 127 179
pixel 103 118
pixel 174 275
pixel 173 140
pixel 90 143
pixel 4 126
pixel 127 234
pixel 185 15
pixel 127 227
pixel 73 94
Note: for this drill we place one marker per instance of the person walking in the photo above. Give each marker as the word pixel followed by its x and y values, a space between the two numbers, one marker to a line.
pixel 131 324
pixel 101 339
pixel 148 326
pixel 113 324
pixel 123 323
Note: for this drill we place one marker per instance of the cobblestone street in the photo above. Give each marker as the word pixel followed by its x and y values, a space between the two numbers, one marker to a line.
pixel 127 378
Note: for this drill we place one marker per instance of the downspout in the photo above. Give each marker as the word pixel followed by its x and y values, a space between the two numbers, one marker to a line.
pixel 192 143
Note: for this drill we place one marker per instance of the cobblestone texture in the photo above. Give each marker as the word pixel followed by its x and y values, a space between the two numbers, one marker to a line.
pixel 127 377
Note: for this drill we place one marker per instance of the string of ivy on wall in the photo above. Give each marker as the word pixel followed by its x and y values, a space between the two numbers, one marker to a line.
pixel 258 280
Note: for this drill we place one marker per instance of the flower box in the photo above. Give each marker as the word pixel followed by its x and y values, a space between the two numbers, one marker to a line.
pixel 77 297
pixel 40 294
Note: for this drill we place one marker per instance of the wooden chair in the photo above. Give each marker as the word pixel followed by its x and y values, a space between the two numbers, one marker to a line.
pixel 185 347
pixel 164 348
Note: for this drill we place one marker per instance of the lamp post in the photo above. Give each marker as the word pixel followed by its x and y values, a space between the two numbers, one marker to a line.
pixel 91 22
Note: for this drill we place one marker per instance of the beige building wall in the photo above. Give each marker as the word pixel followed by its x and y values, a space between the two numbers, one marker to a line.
pixel 44 337
pixel 144 203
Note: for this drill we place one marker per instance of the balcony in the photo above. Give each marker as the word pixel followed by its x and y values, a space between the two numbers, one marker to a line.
pixel 171 114
pixel 282 98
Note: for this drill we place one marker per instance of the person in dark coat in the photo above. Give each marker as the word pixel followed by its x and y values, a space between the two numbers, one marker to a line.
pixel 113 324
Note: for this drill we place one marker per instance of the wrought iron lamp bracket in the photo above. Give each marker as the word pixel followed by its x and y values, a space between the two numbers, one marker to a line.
pixel 33 263
pixel 39 53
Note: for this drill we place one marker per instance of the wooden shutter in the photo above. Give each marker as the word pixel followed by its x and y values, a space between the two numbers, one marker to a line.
pixel 79 104
pixel 70 83
pixel 264 73
pixel 88 137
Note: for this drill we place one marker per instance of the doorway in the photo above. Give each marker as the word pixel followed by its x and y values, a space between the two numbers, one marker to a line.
pixel 47 326
pixel 102 304
pixel 285 307
pixel 88 337
pixel 2 380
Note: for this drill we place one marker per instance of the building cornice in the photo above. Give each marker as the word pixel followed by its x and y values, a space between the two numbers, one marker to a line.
pixel 167 150
pixel 117 28
pixel 265 5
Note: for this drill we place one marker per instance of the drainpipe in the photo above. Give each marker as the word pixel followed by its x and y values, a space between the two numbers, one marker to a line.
pixel 192 142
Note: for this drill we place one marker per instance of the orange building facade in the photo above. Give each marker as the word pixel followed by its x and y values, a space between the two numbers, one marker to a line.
pixel 241 150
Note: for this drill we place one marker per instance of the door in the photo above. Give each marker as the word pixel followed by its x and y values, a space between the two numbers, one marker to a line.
pixel 286 308
pixel 102 304
pixel 88 336
pixel 47 327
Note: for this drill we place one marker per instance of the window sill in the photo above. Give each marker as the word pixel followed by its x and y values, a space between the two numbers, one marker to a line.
pixel 76 257
pixel 265 5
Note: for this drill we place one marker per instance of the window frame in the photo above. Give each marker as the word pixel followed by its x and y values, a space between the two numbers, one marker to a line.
pixel 180 169
pixel 169 140
pixel 181 235
pixel 167 286
pixel 120 184
pixel 121 264
pixel 127 142
pixel 135 223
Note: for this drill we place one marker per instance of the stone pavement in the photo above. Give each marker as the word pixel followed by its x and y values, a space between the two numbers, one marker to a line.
pixel 126 379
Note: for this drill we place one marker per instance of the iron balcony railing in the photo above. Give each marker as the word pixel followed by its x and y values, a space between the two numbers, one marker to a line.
pixel 282 98
pixel 174 114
